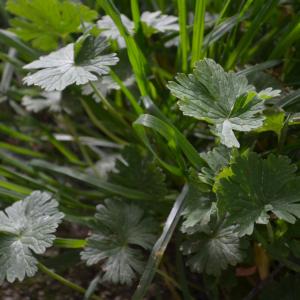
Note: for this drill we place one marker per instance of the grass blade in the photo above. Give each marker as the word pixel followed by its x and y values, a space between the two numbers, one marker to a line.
pixel 172 135
pixel 92 180
pixel 263 13
pixel 10 39
pixel 260 67
pixel 135 55
pixel 198 31
pixel 161 246
pixel 184 40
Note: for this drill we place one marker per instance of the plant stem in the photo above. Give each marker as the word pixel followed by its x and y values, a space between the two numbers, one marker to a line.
pixel 138 109
pixel 64 281
pixel 108 106
pixel 99 125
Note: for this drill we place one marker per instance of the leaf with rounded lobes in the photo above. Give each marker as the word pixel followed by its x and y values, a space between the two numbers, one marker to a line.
pixel 26 227
pixel 257 187
pixel 198 208
pixel 213 251
pixel 63 67
pixel 121 234
pixel 219 98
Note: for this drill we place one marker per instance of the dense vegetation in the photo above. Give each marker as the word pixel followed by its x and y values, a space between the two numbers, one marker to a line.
pixel 150 149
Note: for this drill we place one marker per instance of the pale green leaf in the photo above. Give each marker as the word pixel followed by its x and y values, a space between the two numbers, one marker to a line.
pixel 26 227
pixel 219 98
pixel 62 67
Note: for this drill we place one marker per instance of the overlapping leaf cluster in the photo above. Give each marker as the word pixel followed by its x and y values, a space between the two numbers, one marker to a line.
pixel 98 123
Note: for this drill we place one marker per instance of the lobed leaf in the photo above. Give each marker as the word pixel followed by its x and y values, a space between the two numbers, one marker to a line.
pixel 64 67
pixel 122 232
pixel 26 227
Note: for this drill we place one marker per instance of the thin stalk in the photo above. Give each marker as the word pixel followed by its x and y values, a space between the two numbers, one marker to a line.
pixel 184 40
pixel 77 140
pixel 198 31
pixel 138 109
pixel 108 106
pixel 64 281
pixel 100 126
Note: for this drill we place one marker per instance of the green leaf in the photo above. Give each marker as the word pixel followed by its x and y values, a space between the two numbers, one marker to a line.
pixel 44 23
pixel 258 187
pixel 26 227
pixel 64 67
pixel 140 173
pixel 219 98
pixel 274 121
pixel 198 209
pixel 122 232
pixel 213 251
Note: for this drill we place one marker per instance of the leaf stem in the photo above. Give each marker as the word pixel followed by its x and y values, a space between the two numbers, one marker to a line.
pixel 63 280
pixel 100 126
pixel 108 106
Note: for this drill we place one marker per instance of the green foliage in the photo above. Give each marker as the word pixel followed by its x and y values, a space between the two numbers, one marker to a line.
pixel 135 171
pixel 258 187
pixel 120 234
pixel 26 227
pixel 45 23
pixel 213 251
pixel 210 158
pixel 223 99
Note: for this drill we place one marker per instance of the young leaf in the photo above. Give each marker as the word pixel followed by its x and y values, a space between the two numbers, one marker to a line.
pixel 26 227
pixel 222 99
pixel 65 67
pixel 257 187
pixel 44 22
pixel 140 173
pixel 122 232
pixel 213 251
pixel 111 31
